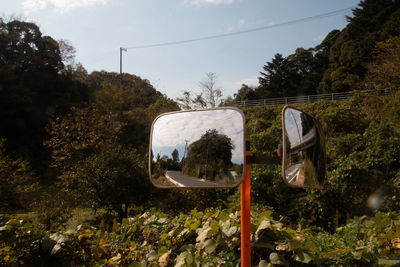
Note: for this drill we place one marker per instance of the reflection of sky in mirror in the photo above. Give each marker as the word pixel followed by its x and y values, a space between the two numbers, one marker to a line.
pixel 174 130
pixel 293 125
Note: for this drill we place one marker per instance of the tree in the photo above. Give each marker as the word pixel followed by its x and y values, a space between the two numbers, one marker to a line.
pixel 306 70
pixel 115 179
pixel 278 79
pixel 372 22
pixel 213 151
pixel 77 136
pixel 33 89
pixel 71 68
pixel 187 102
pixel 210 97
pixel 23 47
pixel 135 105
pixel 136 92
pixel 245 93
pixel 384 71
pixel 16 180
pixel 175 156
pixel 67 52
pixel 212 94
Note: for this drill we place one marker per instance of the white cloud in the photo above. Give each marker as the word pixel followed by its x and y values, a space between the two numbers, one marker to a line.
pixel 59 6
pixel 199 3
pixel 173 130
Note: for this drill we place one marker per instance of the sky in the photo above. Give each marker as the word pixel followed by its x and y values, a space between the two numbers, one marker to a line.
pixel 293 125
pixel 172 131
pixel 98 28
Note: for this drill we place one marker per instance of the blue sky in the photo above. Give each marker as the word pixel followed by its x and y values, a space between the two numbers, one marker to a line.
pixel 172 131
pixel 97 28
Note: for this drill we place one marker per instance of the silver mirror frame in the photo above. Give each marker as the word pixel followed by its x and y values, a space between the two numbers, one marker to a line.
pixel 200 110
pixel 284 149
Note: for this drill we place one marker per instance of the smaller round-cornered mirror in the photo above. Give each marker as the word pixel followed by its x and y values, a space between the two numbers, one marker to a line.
pixel 304 160
pixel 198 149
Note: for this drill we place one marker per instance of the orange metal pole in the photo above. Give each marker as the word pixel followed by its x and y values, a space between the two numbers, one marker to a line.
pixel 245 218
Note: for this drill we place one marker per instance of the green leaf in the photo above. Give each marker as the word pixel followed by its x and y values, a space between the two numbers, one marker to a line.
pixel 210 246
pixel 265 224
pixel 184 259
pixel 214 228
pixel 151 255
pixel 194 225
pixel 304 257
pixel 265 215
pixel 275 258
pixel 164 236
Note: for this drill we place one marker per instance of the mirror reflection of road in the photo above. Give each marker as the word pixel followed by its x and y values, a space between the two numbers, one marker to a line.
pixel 185 181
pixel 292 172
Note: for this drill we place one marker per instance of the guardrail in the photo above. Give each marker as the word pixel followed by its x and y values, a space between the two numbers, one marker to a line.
pixel 308 98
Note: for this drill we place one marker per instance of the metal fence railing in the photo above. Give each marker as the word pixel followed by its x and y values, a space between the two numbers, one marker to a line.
pixel 308 98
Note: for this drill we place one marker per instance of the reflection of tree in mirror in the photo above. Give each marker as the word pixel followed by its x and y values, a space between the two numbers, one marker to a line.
pixel 307 123
pixel 175 156
pixel 309 171
pixel 160 164
pixel 210 158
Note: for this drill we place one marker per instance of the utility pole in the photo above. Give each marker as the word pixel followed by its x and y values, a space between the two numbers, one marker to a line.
pixel 120 64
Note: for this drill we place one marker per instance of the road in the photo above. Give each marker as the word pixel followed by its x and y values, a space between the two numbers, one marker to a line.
pixel 292 172
pixel 181 180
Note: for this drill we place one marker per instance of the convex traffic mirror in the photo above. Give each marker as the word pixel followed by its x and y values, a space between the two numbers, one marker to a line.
pixel 304 160
pixel 198 149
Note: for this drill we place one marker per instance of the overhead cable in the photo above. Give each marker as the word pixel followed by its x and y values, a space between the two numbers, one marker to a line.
pixel 307 19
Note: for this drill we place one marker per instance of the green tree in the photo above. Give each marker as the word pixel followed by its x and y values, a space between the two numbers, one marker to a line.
pixel 175 156
pixel 384 71
pixel 136 92
pixel 77 136
pixel 72 69
pixel 187 102
pixel 245 93
pixel 213 151
pixel 16 181
pixel 279 79
pixel 372 22
pixel 32 89
pixel 115 178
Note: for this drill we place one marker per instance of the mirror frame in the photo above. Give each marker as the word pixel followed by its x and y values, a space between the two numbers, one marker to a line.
pixel 321 135
pixel 200 110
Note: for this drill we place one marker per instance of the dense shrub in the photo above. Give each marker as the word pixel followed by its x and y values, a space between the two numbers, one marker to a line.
pixel 362 155
pixel 206 238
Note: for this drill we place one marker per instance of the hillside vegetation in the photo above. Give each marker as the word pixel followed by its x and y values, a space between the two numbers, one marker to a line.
pixel 363 55
pixel 74 186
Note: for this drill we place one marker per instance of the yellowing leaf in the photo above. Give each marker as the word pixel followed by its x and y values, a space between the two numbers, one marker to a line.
pixel 396 243
pixel 164 259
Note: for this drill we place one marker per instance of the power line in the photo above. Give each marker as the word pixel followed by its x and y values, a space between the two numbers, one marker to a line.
pixel 307 19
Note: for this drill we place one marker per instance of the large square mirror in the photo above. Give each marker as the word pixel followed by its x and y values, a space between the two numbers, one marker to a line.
pixel 198 149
